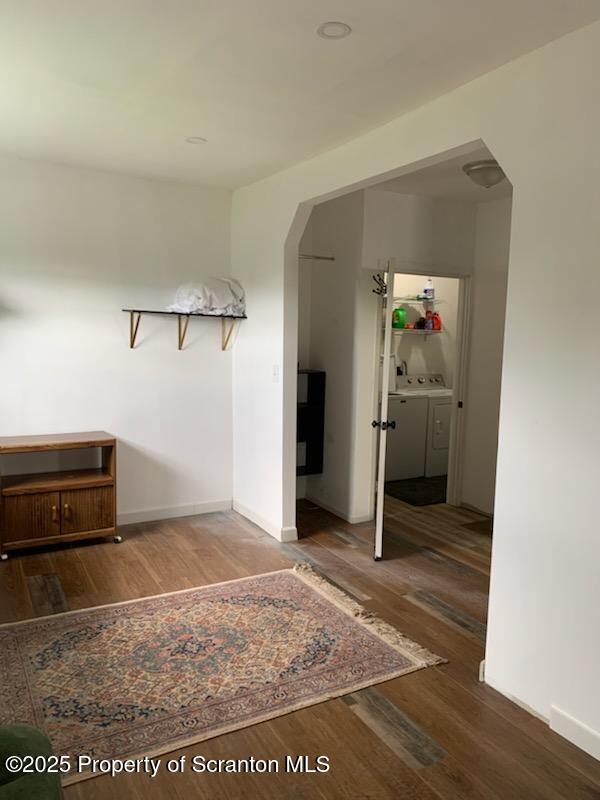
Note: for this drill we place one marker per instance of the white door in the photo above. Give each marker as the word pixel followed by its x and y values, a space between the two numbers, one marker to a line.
pixel 405 456
pixel 382 422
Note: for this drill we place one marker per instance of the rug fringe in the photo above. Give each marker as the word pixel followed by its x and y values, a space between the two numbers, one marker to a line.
pixel 383 629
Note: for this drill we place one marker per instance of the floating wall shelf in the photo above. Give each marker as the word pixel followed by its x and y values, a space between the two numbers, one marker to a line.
pixel 228 322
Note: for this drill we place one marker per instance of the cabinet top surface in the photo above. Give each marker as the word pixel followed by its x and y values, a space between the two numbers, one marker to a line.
pixel 55 441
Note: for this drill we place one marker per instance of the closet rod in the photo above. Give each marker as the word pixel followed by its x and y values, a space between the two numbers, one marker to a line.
pixel 306 257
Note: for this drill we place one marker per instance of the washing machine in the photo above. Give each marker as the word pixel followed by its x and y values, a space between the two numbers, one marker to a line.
pixel 421 405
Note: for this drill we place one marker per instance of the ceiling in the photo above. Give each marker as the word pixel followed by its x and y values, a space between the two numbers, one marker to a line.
pixel 120 84
pixel 448 180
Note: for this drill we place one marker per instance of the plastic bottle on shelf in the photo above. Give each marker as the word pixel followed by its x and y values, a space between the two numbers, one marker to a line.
pixel 437 321
pixel 399 318
pixel 429 291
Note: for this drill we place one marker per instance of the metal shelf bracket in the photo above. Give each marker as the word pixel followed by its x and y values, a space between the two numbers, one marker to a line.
pixel 134 324
pixel 226 334
pixel 181 331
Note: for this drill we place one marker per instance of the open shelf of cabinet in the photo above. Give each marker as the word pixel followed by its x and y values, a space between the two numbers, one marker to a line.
pixel 55 481
pixel 311 422
pixel 40 508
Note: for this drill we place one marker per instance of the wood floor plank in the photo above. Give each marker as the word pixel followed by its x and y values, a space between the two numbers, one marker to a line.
pixel 448 613
pixel 47 595
pixel 394 728
pixel 15 601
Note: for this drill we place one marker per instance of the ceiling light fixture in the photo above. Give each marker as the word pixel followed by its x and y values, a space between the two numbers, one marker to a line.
pixel 334 30
pixel 196 140
pixel 486 173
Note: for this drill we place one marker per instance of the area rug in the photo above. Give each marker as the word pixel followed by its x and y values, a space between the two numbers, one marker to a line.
pixel 148 676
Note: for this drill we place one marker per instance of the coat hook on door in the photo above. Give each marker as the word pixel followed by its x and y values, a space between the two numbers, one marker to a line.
pixel 381 285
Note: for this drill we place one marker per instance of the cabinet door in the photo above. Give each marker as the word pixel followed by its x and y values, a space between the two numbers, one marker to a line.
pixel 405 453
pixel 87 509
pixel 30 516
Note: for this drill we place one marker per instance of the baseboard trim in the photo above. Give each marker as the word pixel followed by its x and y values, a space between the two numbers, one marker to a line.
pixel 171 512
pixel 332 510
pixel 529 709
pixel 577 732
pixel 471 507
pixel 288 534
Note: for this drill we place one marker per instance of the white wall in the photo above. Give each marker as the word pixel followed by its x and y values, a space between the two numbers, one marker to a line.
pixel 76 246
pixel 422 234
pixel 488 309
pixel 537 115
pixel 342 344
pixel 305 298
pixel 436 353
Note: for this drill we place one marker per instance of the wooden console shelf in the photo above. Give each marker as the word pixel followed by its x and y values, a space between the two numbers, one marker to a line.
pixel 49 507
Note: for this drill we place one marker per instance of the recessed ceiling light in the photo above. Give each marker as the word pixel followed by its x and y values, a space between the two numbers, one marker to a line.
pixel 334 30
pixel 196 140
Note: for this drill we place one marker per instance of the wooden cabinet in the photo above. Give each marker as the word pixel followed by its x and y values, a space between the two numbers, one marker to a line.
pixel 48 507
pixel 86 509
pixel 32 516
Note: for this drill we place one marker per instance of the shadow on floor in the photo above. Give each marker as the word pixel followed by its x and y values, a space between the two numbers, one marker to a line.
pixel 419 491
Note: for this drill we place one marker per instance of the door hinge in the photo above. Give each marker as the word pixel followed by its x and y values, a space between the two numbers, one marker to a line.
pixel 391 423
pixel 460 404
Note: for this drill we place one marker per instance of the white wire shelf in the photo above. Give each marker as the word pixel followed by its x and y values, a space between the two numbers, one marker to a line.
pixel 416 301
pixel 415 331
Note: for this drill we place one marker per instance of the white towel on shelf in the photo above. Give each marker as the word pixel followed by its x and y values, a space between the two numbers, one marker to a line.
pixel 216 296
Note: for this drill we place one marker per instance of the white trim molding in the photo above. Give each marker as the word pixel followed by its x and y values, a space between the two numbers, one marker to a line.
pixel 341 514
pixel 171 512
pixel 289 534
pixel 577 732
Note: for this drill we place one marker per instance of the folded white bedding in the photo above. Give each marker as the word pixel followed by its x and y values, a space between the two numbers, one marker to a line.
pixel 216 296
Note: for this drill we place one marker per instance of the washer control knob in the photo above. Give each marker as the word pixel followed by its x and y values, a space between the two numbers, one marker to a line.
pixel 421 380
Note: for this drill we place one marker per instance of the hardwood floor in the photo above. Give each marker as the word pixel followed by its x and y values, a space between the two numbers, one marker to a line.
pixel 437 734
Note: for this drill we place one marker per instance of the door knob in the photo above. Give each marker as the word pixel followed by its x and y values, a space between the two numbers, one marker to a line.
pixel 67 511
pixel 54 514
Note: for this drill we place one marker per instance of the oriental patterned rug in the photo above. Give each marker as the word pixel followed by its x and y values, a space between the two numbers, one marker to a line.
pixel 148 676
